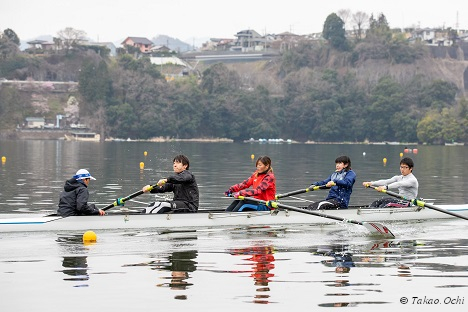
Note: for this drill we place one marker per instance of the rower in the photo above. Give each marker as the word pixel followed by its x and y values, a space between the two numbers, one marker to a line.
pixel 406 183
pixel 74 198
pixel 182 184
pixel 263 183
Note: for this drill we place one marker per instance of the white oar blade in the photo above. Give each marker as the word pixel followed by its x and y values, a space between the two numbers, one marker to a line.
pixel 378 229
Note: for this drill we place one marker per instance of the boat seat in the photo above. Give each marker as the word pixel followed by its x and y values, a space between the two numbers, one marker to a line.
pixel 253 207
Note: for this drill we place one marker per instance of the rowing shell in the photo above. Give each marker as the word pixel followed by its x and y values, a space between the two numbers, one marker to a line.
pixel 125 219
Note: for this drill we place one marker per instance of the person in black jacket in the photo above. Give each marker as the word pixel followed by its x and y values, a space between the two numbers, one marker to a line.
pixel 74 198
pixel 184 186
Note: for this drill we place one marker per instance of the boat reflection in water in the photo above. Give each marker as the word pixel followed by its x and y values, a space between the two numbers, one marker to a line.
pixel 262 260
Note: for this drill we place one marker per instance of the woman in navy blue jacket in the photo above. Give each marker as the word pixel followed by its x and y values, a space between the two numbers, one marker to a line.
pixel 341 186
pixel 74 198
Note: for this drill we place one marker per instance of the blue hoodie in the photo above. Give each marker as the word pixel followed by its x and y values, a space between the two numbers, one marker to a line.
pixel 344 181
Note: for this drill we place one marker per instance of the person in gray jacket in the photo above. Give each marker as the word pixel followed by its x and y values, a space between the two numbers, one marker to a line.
pixel 74 198
pixel 406 183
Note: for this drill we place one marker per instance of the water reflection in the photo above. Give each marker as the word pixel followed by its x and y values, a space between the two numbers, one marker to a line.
pixel 262 260
pixel 75 267
pixel 342 262
pixel 180 264
pixel 400 256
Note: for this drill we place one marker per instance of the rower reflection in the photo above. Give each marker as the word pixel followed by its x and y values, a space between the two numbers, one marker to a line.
pixel 76 267
pixel 263 262
pixel 180 263
pixel 342 261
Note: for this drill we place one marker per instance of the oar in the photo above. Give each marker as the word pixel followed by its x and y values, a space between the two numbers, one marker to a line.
pixel 310 188
pixel 419 202
pixel 373 227
pixel 124 199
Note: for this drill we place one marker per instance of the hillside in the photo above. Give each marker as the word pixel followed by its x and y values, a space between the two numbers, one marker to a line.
pixel 310 93
pixel 437 64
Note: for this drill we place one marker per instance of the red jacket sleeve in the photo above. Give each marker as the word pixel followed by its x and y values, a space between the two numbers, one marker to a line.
pixel 267 183
pixel 243 185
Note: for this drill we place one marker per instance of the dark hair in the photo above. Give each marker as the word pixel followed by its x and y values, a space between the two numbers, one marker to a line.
pixel 345 160
pixel 182 159
pixel 265 160
pixel 407 161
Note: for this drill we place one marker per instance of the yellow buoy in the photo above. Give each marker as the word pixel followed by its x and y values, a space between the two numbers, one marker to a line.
pixel 145 153
pixel 252 156
pixel 142 165
pixel 3 159
pixel 401 155
pixel 89 237
pixel 385 161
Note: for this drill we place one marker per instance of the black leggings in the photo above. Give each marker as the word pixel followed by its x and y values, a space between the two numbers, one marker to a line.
pixel 387 202
pixel 325 204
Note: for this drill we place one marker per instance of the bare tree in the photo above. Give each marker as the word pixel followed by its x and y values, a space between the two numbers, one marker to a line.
pixel 344 14
pixel 360 21
pixel 57 43
pixel 71 37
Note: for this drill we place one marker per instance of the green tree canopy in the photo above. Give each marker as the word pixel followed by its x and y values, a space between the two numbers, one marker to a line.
pixel 334 32
pixel 12 36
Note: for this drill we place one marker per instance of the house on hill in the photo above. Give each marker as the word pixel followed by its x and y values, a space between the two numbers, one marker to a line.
pixel 109 45
pixel 285 41
pixel 160 49
pixel 249 40
pixel 142 43
pixel 217 44
pixel 40 45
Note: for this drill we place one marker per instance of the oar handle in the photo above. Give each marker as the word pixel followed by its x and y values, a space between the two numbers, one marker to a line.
pixel 419 203
pixel 310 188
pixel 124 199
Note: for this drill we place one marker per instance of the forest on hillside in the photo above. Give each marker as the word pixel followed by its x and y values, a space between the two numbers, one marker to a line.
pixel 323 91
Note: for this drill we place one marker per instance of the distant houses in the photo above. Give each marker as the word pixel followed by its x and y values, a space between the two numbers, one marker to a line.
pixel 34 122
pixel 248 40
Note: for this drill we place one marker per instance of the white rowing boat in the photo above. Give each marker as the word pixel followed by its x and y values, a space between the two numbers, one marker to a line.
pixel 122 219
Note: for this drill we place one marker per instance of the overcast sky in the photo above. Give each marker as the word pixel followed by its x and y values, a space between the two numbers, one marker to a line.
pixel 191 20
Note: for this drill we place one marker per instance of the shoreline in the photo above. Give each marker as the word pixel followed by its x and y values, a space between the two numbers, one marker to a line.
pixel 58 134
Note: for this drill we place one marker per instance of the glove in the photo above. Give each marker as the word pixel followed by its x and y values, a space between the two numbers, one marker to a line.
pixel 120 201
pixel 236 195
pixel 228 193
pixel 269 205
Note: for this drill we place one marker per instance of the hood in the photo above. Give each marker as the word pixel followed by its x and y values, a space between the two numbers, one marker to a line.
pixel 72 184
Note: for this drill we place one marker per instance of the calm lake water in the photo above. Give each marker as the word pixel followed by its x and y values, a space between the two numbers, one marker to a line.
pixel 314 267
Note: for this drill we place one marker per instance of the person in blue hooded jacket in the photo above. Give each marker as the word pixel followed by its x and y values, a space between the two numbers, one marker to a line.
pixel 341 186
pixel 74 198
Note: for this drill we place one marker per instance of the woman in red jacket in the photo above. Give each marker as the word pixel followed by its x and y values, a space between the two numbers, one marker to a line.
pixel 263 183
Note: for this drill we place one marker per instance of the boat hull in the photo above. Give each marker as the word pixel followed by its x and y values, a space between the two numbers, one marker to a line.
pixel 212 219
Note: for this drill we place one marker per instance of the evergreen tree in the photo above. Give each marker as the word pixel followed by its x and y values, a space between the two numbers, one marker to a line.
pixel 334 32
